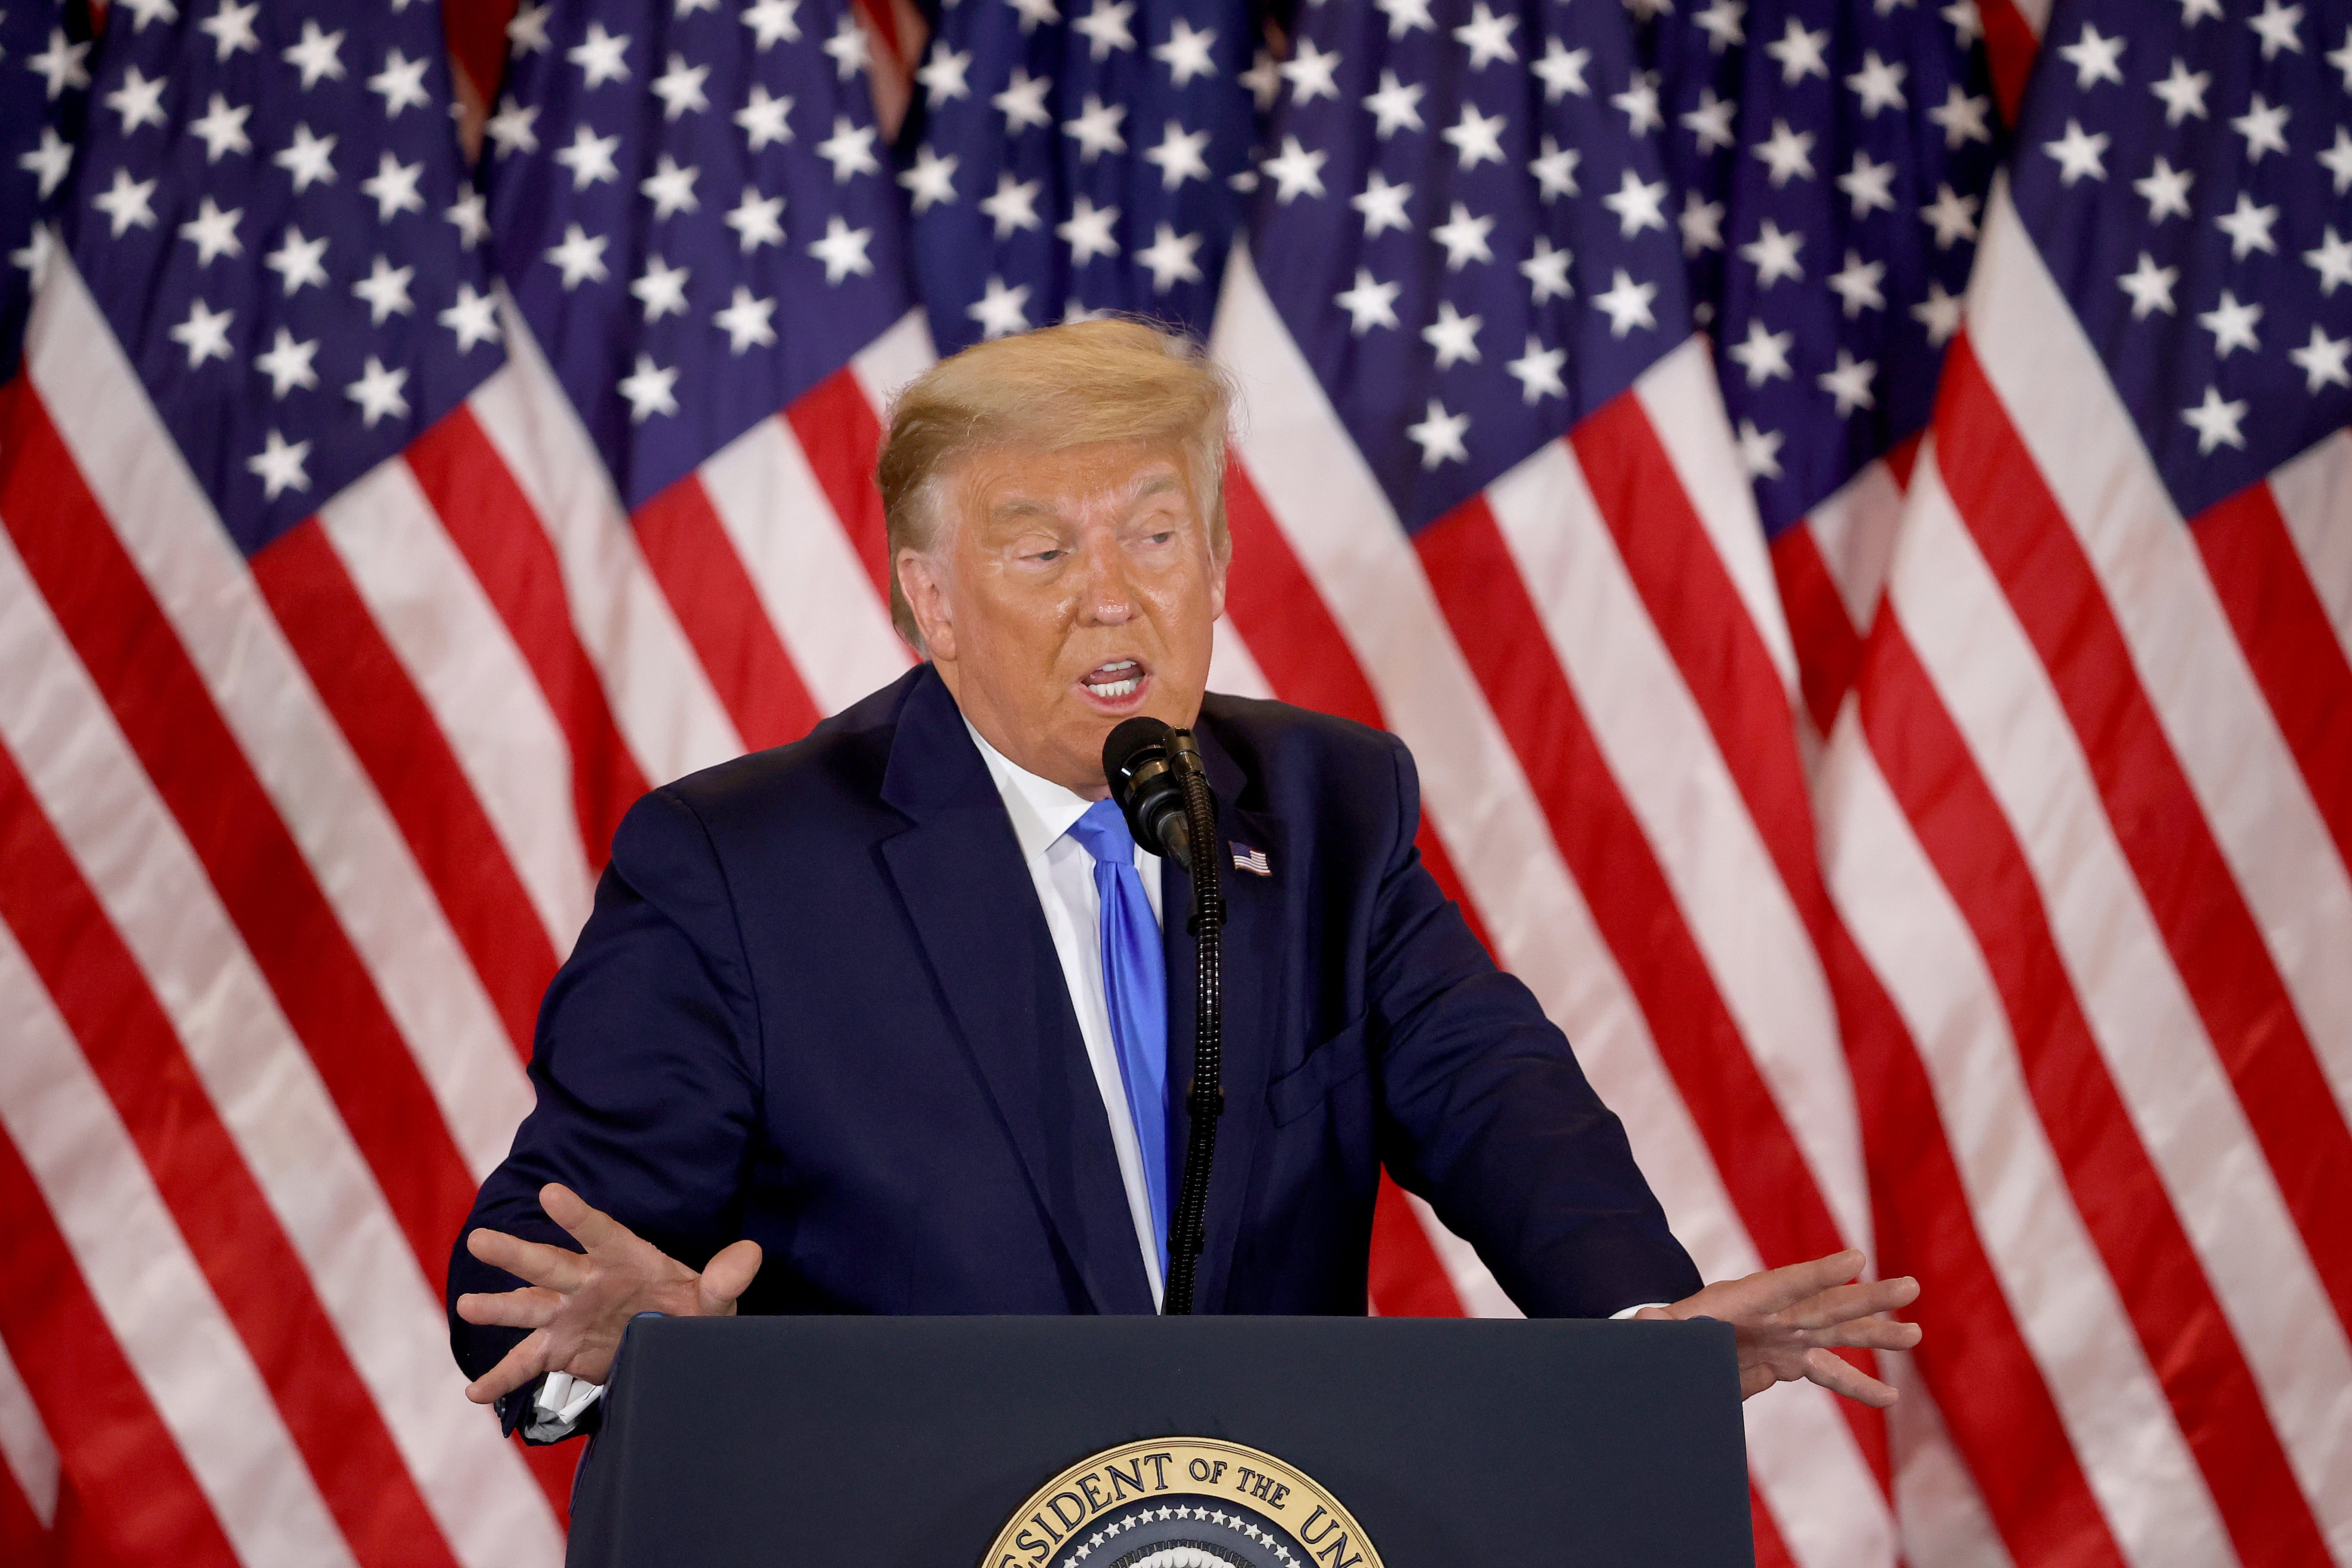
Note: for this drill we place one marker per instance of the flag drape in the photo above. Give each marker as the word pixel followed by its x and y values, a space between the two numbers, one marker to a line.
pixel 1850 502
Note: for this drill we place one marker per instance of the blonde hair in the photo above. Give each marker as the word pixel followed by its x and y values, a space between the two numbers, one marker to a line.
pixel 1075 385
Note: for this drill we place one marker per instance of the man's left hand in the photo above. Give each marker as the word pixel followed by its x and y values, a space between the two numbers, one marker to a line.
pixel 1790 1322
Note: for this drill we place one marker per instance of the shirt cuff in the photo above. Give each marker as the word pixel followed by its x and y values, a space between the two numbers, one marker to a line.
pixel 1613 1317
pixel 563 1400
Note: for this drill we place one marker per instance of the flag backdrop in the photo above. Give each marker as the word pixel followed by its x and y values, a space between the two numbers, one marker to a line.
pixel 1851 505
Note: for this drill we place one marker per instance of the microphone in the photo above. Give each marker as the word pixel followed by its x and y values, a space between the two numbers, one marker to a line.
pixel 1145 761
pixel 1162 790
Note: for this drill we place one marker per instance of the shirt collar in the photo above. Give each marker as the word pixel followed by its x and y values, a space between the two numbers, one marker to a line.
pixel 1042 810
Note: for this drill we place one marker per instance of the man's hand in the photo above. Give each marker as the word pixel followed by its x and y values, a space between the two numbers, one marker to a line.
pixel 1791 1319
pixel 577 1306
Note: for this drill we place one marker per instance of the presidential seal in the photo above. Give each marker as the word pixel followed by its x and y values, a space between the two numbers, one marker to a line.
pixel 1181 1502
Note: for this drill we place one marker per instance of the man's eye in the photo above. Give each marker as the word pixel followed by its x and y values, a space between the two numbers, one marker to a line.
pixel 1162 537
pixel 1048 556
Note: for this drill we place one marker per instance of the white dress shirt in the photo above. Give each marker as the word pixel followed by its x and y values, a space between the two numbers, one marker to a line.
pixel 1063 874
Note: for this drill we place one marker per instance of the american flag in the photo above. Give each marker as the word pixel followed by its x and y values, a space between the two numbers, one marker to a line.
pixel 1945 856
pixel 2090 816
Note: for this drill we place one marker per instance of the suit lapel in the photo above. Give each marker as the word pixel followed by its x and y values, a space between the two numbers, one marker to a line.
pixel 958 869
pixel 1256 960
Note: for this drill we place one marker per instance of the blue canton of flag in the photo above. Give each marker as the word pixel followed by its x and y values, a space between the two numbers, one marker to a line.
pixel 1693 61
pixel 38 132
pixel 1834 162
pixel 1077 164
pixel 1467 229
pixel 692 209
pixel 297 291
pixel 2183 169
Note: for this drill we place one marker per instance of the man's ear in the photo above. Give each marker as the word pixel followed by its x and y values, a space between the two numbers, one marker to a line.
pixel 919 578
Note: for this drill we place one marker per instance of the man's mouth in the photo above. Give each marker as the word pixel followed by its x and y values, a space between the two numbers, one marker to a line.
pixel 1114 683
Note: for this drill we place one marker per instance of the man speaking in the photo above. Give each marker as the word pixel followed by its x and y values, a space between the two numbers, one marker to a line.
pixel 897 1018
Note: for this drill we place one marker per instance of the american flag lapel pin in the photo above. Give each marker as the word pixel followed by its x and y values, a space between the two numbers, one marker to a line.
pixel 1253 861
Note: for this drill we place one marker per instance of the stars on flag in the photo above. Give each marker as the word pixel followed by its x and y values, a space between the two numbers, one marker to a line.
pixel 1963 116
pixel 647 389
pixel 2322 360
pixel 139 101
pixel 377 392
pixel 309 160
pixel 128 203
pixel 280 465
pixel 205 335
pixel 1952 215
pixel 48 161
pixel 2216 421
pixel 2079 153
pixel 1774 254
pixel 1370 303
pixel 1487 183
pixel 1764 355
pixel 214 232
pixel 1439 435
pixel 747 321
pixel 1000 309
pixel 472 319
pixel 1787 153
pixel 1829 192
pixel 1537 370
pixel 580 258
pixel 317 56
pixel 1039 119
pixel 2210 287
pixel 2151 287
pixel 1170 258
pixel 385 290
pixel 289 363
pixel 314 308
pixel 700 193
pixel 1453 335
pixel 1088 231
pixel 63 67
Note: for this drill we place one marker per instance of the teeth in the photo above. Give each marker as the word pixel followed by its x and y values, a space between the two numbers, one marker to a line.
pixel 1122 664
pixel 1117 688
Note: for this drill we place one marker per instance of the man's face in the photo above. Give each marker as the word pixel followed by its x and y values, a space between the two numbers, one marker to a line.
pixel 1070 590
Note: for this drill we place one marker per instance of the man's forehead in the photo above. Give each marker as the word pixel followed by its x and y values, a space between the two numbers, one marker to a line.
pixel 1043 483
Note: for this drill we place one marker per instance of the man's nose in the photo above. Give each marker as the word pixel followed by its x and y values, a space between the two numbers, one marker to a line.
pixel 1105 596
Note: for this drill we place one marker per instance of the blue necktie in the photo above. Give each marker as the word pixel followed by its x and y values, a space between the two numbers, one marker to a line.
pixel 1135 982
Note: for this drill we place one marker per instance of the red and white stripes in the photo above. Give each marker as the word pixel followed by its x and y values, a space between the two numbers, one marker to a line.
pixel 2075 831
pixel 1529 648
pixel 293 847
pixel 1966 877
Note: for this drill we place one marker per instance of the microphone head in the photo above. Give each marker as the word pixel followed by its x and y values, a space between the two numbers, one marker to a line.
pixel 1135 741
pixel 1136 759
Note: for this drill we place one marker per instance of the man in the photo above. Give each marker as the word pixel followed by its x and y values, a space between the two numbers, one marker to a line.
pixel 895 1019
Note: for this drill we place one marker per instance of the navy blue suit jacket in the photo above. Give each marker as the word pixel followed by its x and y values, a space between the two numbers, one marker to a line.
pixel 817 1006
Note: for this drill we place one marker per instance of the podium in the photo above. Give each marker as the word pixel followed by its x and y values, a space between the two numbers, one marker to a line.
pixel 1166 1443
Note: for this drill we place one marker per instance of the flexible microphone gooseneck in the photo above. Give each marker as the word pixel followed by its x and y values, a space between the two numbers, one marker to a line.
pixel 1156 779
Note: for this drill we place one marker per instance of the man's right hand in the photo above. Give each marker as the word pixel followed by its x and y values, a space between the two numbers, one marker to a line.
pixel 577 1304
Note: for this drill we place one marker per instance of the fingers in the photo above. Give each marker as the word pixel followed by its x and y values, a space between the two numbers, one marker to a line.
pixel 591 1227
pixel 1841 1376
pixel 556 1268
pixel 529 1308
pixel 1844 1303
pixel 1869 1335
pixel 727 1276
pixel 1785 1287
pixel 522 1364
pixel 1760 1296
